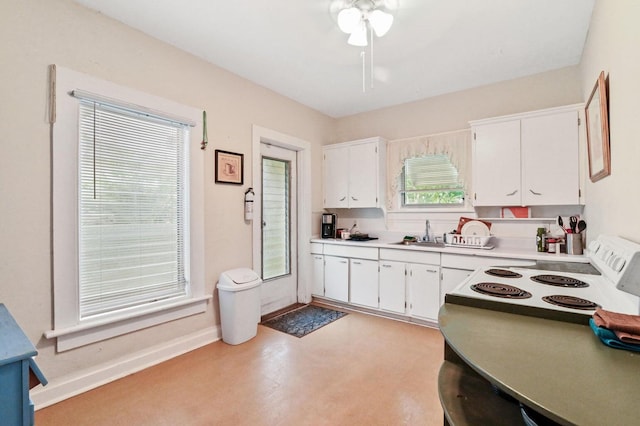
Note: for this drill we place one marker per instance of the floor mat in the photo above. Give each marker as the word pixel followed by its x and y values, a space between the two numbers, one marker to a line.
pixel 303 321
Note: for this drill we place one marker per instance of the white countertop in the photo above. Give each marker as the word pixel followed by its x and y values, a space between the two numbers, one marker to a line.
pixel 513 252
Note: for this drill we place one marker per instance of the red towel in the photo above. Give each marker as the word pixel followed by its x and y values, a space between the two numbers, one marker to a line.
pixel 626 327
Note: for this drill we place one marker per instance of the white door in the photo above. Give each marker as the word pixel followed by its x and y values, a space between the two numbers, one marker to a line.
pixel 363 176
pixel 363 280
pixel 279 223
pixel 392 286
pixel 496 164
pixel 424 290
pixel 551 141
pixel 317 286
pixel 336 177
pixel 336 278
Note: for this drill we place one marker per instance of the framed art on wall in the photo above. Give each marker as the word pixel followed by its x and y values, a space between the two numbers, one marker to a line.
pixel 596 113
pixel 229 167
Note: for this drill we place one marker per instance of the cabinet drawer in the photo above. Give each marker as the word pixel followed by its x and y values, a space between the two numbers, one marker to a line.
pixel 413 256
pixel 316 248
pixel 469 263
pixel 350 251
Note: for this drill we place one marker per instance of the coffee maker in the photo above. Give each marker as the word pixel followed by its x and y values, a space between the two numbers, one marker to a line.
pixel 329 225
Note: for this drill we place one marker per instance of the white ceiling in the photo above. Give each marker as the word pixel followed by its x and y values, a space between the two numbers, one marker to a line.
pixel 294 47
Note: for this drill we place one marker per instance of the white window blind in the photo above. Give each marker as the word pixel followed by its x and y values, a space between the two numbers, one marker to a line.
pixel 431 180
pixel 276 211
pixel 132 202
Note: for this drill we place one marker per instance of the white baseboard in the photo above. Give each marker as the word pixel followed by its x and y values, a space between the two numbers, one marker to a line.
pixel 65 387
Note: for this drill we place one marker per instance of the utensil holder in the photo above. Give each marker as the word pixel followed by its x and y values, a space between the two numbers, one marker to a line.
pixel 574 244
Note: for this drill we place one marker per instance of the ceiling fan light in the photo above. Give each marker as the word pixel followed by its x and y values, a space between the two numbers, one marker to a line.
pixel 380 22
pixel 359 36
pixel 348 19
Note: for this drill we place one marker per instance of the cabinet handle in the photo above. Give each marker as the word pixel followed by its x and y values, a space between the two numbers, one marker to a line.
pixel 318 257
pixel 384 265
pixel 343 198
pixel 433 271
pixel 343 261
pixel 357 263
pixel 512 193
pixel 534 192
pixel 354 198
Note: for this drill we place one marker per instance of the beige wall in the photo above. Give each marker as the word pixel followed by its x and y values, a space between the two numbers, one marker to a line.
pixel 34 34
pixel 454 111
pixel 613 47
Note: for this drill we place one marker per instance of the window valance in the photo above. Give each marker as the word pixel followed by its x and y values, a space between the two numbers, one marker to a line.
pixel 456 145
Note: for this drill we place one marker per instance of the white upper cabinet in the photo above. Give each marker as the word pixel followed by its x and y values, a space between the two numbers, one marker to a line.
pixel 354 174
pixel 527 159
pixel 550 159
pixel 496 164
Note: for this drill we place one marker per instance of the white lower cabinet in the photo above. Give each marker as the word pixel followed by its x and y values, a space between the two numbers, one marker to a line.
pixel 451 278
pixel 423 282
pixel 317 275
pixel 336 278
pixel 393 296
pixel 363 279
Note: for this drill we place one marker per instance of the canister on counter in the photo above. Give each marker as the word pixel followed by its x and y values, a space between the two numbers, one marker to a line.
pixel 540 239
pixel 551 245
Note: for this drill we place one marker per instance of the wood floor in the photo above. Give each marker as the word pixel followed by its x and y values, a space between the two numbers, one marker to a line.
pixel 358 370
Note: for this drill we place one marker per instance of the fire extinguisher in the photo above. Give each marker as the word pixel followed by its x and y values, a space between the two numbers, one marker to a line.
pixel 248 204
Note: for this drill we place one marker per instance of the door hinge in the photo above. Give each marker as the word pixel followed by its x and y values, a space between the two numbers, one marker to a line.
pixel 475 197
pixel 474 136
pixel 579 192
pixel 579 121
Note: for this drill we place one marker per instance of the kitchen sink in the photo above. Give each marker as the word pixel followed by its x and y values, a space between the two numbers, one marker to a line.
pixel 421 243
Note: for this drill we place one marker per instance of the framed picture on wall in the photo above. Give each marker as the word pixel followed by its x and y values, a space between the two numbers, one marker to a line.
pixel 596 113
pixel 229 167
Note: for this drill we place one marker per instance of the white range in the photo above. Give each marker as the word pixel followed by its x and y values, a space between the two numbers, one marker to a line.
pixel 559 290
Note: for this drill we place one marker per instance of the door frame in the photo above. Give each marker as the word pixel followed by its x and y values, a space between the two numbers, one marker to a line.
pixel 303 177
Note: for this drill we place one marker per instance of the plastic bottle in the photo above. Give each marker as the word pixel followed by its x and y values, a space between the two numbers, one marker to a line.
pixel 540 239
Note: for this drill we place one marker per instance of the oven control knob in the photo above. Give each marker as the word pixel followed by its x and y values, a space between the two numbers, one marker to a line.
pixel 618 263
pixel 604 254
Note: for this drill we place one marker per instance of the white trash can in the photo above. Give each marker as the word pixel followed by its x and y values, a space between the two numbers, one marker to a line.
pixel 239 296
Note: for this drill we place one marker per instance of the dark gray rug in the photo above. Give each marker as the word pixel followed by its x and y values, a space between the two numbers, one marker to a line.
pixel 304 320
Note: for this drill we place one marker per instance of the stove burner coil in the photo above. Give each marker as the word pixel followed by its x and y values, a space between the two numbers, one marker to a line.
pixel 570 302
pixel 503 273
pixel 559 281
pixel 501 290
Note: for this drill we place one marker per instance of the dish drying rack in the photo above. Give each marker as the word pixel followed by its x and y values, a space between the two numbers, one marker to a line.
pixel 468 241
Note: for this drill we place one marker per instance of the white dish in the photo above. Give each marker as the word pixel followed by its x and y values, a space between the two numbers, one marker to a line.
pixel 475 227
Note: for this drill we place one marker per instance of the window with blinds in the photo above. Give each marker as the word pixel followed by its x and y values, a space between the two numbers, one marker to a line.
pixel 132 203
pixel 276 212
pixel 431 180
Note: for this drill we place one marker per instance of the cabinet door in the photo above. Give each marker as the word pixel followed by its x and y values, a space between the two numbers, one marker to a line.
pixel 496 164
pixel 550 161
pixel 392 286
pixel 317 276
pixel 336 177
pixel 424 290
pixel 363 280
pixel 336 278
pixel 363 176
pixel 451 278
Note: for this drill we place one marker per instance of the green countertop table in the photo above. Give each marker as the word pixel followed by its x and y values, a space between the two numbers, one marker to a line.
pixel 559 369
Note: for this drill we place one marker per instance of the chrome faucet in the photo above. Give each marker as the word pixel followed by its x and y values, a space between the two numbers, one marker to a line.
pixel 426 231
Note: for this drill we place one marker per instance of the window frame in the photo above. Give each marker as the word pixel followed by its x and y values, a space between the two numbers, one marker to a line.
pixel 69 330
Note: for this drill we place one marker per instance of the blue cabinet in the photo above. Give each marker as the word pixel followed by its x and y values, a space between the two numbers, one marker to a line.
pixel 18 372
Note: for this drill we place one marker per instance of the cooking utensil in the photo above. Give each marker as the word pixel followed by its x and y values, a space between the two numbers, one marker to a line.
pixel 573 222
pixel 561 224
pixel 582 225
